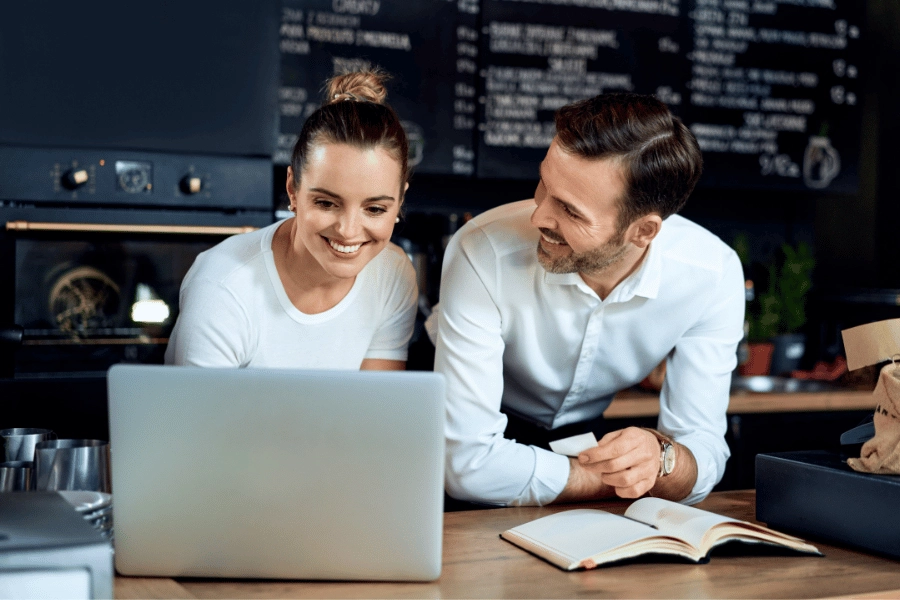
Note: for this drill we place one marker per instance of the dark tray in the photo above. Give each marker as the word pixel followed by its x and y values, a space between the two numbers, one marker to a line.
pixel 816 494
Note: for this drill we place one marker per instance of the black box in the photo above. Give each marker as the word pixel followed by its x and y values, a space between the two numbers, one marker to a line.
pixel 817 494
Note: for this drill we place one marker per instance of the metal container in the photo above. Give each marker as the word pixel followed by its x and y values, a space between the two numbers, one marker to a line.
pixel 19 442
pixel 16 476
pixel 72 465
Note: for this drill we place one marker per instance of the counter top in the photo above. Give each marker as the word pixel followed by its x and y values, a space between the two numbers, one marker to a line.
pixel 478 564
pixel 632 403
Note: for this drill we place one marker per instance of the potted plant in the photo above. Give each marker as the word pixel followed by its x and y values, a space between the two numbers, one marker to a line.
pixel 779 313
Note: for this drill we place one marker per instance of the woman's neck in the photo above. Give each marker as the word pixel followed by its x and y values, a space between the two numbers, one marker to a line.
pixel 309 287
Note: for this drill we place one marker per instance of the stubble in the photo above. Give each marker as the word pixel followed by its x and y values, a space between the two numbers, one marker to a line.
pixel 589 262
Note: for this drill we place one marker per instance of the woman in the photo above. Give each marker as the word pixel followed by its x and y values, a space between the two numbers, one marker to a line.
pixel 324 289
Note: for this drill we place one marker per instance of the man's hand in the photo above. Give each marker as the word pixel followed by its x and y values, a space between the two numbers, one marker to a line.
pixel 628 460
pixel 625 463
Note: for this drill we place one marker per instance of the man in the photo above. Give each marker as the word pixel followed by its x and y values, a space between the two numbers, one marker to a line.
pixel 551 306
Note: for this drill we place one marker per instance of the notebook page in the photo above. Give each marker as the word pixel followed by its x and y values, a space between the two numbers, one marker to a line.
pixel 582 533
pixel 685 522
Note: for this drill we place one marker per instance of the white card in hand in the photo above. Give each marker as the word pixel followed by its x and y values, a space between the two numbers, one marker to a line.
pixel 572 446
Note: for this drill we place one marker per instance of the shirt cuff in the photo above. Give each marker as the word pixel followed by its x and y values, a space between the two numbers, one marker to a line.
pixel 707 472
pixel 551 473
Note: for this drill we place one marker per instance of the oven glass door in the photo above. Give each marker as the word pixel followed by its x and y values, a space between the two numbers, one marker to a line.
pixel 88 301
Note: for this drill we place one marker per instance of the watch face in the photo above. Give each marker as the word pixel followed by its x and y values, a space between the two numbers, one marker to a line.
pixel 669 459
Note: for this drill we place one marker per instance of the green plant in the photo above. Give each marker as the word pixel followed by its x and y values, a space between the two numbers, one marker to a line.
pixel 741 245
pixel 782 307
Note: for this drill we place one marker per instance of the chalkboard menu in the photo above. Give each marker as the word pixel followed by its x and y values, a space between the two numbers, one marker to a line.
pixel 540 55
pixel 429 46
pixel 770 88
pixel 773 95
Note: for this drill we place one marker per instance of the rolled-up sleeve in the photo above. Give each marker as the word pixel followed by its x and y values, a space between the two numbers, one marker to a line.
pixel 481 464
pixel 695 394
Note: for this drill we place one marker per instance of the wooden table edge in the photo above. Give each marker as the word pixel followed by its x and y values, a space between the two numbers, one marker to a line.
pixel 630 405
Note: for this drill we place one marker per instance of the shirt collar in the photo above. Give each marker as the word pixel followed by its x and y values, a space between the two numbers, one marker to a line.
pixel 562 278
pixel 647 277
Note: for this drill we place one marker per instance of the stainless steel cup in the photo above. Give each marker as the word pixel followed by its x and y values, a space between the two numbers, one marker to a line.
pixel 72 465
pixel 16 476
pixel 19 442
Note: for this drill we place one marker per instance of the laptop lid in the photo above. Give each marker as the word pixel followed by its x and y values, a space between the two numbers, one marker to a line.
pixel 264 473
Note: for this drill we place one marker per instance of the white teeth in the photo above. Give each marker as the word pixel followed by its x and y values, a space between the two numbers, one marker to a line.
pixel 548 240
pixel 344 249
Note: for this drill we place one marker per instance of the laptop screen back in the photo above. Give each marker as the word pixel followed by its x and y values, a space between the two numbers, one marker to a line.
pixel 277 473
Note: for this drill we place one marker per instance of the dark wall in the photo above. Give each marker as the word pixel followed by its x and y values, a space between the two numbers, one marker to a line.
pixel 885 23
pixel 140 76
pixel 856 236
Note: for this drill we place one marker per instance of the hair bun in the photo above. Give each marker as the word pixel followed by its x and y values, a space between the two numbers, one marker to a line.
pixel 366 85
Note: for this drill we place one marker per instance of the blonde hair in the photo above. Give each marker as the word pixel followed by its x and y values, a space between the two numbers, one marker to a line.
pixel 359 86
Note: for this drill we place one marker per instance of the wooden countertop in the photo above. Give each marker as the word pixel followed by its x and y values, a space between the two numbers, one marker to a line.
pixel 633 403
pixel 478 564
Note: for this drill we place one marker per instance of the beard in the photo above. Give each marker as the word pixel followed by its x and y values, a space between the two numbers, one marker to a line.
pixel 588 262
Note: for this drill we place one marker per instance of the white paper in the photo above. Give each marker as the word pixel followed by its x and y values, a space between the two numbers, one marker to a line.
pixel 573 446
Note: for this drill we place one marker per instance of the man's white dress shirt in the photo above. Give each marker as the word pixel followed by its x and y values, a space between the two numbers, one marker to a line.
pixel 547 349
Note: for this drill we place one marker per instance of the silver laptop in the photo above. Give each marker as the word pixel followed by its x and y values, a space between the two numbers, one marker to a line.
pixel 287 474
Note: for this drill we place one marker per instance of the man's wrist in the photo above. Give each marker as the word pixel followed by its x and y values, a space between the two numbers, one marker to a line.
pixel 680 482
pixel 581 485
pixel 668 452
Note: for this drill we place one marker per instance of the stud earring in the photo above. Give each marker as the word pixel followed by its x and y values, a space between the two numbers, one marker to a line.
pixel 397 220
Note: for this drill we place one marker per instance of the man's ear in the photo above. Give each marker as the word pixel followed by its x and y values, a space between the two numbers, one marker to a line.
pixel 644 229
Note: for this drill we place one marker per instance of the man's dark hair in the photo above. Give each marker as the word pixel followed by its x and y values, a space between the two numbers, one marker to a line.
pixel 660 156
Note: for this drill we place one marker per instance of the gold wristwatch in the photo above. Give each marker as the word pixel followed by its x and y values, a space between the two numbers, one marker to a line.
pixel 666 452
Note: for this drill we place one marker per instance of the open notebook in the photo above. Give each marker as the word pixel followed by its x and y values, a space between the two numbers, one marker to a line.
pixel 586 538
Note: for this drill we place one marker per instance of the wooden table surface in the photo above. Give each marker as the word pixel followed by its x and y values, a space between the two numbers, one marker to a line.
pixel 478 564
pixel 633 403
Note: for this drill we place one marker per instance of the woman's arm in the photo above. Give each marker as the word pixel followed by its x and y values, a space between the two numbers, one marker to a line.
pixel 212 329
pixel 398 294
pixel 380 364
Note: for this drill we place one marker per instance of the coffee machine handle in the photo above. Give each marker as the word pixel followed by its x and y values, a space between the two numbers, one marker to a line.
pixel 10 339
pixel 11 335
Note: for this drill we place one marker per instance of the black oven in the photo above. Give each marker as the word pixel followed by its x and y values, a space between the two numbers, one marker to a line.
pixel 90 274
pixel 95 244
pixel 85 298
pixel 132 137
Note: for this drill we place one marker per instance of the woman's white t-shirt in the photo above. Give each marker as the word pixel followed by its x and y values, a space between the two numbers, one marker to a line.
pixel 235 312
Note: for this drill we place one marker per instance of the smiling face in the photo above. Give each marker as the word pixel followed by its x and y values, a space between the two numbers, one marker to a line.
pixel 346 204
pixel 577 213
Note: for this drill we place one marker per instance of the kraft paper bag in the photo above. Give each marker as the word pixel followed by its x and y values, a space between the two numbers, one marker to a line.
pixel 881 454
pixel 871 343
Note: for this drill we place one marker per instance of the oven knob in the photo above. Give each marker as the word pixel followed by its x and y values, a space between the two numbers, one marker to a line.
pixel 191 184
pixel 74 178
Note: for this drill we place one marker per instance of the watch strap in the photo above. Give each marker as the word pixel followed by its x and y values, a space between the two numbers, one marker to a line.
pixel 666 444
